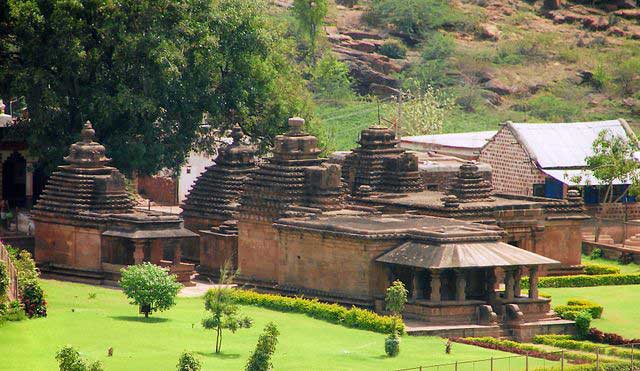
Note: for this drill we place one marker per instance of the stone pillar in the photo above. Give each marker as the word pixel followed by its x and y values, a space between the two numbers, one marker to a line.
pixel 417 285
pixel 29 184
pixel 138 253
pixel 177 255
pixel 533 282
pixel 435 285
pixel 509 283
pixel 517 277
pixel 461 285
pixel 491 283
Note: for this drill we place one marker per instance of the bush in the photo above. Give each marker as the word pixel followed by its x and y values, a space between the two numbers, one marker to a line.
pixel 595 269
pixel 551 108
pixel 596 254
pixel 330 79
pixel 69 359
pixel 393 49
pixel 598 336
pixel 150 287
pixel 188 362
pixel 626 75
pixel 438 46
pixel 4 282
pixel 534 48
pixel 585 346
pixel 583 323
pixel 351 317
pixel 584 280
pixel 578 305
pixel 13 312
pixel 412 17
pixel 260 360
pixel 32 298
pixel 392 345
pixel 25 266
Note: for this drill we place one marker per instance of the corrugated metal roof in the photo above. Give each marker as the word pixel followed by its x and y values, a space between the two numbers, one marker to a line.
pixel 462 255
pixel 460 140
pixel 563 145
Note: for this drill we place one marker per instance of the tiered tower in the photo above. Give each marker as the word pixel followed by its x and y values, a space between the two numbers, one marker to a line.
pixel 470 186
pixel 294 180
pixel 215 195
pixel 85 191
pixel 381 164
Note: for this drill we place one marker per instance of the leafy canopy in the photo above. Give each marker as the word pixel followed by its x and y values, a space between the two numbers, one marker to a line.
pixel 145 73
pixel 150 287
pixel 396 298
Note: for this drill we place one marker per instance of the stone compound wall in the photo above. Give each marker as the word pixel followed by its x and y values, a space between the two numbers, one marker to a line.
pixel 340 266
pixel 257 250
pixel 159 189
pixel 512 168
pixel 68 245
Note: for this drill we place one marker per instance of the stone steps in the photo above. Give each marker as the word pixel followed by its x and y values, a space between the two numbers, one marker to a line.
pixel 603 238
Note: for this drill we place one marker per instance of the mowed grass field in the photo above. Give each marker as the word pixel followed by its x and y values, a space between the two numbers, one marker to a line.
pixel 95 325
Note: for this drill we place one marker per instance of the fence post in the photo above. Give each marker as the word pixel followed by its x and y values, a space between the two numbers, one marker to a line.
pixel 456 366
pixel 562 361
pixel 632 356
pixel 598 359
pixel 491 363
pixel 526 361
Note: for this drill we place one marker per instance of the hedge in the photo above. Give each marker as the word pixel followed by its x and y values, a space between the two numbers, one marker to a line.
pixel 592 269
pixel 584 280
pixel 351 317
pixel 594 310
pixel 584 346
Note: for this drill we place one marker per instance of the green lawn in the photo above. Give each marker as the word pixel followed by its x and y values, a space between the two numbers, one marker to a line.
pixel 624 268
pixel 621 306
pixel 94 325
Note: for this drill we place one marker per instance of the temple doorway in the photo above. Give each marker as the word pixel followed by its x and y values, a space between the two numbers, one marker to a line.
pixel 14 180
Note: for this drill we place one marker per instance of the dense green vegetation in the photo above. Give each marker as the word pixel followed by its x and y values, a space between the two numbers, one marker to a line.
pixel 94 319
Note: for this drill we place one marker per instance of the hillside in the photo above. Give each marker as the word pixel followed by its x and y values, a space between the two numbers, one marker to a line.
pixel 497 60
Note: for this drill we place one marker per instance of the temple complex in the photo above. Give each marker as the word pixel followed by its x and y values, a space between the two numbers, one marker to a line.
pixel 549 227
pixel 87 229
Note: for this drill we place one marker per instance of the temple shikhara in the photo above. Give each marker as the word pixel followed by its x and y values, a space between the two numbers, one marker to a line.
pixel 87 227
pixel 340 230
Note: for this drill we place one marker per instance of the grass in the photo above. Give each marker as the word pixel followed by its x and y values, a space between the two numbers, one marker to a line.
pixel 94 325
pixel 621 314
pixel 624 268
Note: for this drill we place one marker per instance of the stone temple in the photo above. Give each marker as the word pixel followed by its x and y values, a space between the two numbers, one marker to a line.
pixel 87 229
pixel 304 226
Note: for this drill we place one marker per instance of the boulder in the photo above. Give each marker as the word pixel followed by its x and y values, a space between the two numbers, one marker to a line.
pixel 337 38
pixel 628 13
pixel 595 23
pixel 489 31
pixel 491 97
pixel 383 90
pixel 498 87
pixel 552 4
pixel 361 45
pixel 359 34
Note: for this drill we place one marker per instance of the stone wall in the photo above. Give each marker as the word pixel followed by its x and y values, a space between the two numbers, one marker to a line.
pixel 215 250
pixel 68 245
pixel 512 168
pixel 159 189
pixel 12 290
pixel 257 250
pixel 340 266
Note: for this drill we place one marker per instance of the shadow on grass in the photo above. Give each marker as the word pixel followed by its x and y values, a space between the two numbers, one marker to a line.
pixel 140 319
pixel 222 355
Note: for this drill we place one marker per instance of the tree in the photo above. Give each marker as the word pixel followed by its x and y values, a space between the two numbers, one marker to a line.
pixel 69 359
pixel 612 162
pixel 150 287
pixel 145 72
pixel 424 111
pixel 310 15
pixel 188 362
pixel 395 300
pixel 224 313
pixel 260 360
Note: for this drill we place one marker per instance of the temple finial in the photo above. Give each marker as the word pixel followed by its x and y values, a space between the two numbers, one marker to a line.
pixel 236 133
pixel 87 132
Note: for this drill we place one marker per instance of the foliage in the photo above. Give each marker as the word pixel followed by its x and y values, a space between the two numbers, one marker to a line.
pixel 260 360
pixel 565 342
pixel 583 280
pixel 392 345
pixel 69 359
pixel 438 46
pixel 145 72
pixel 593 269
pixel 434 67
pixel 425 112
pixel 627 76
pixel 534 48
pixel 188 362
pixel 4 282
pixel 598 336
pixel 583 323
pixel 14 312
pixel 334 313
pixel 224 312
pixel 596 253
pixel 414 18
pixel 396 298
pixel 549 107
pixel 150 287
pixel 310 15
pixel 32 298
pixel 393 49
pixel 594 311
pixel 25 266
pixel 330 79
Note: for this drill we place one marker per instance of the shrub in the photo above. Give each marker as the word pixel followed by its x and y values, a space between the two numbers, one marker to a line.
pixel 188 362
pixel 583 323
pixel 551 108
pixel 392 345
pixel 393 49
pixel 584 280
pixel 150 287
pixel 330 79
pixel 425 112
pixel 25 266
pixel 578 305
pixel 586 346
pixel 412 17
pixel 260 360
pixel 69 359
pixel 598 336
pixel 534 48
pixel 32 298
pixel 626 75
pixel 438 46
pixel 595 269
pixel 4 282
pixel 334 313
pixel 14 312
pixel 596 253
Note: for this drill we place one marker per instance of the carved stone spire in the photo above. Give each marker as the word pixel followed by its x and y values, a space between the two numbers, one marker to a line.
pixel 87 153
pixel 469 185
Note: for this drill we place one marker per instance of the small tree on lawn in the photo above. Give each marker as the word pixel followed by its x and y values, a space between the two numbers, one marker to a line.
pixel 150 287
pixel 224 312
pixel 395 300
pixel 69 359
pixel 260 360
pixel 188 362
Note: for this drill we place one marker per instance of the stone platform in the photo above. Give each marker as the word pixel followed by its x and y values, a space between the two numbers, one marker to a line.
pixel 520 332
